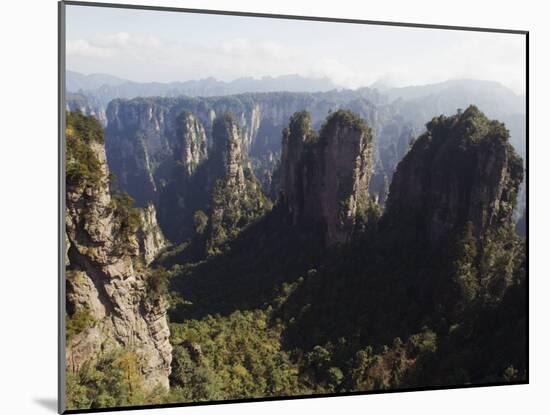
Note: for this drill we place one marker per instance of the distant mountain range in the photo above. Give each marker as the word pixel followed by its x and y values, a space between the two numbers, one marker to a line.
pixel 450 95
pixel 106 87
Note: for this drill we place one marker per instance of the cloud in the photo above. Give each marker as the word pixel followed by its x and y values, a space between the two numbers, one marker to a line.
pixel 84 48
pixel 247 48
pixel 112 45
pixel 146 57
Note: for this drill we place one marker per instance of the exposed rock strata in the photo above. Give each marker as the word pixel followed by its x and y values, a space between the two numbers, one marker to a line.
pixel 325 178
pixel 104 278
pixel 236 199
pixel 190 146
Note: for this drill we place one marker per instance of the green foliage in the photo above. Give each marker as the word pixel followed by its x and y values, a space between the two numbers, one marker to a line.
pixel 424 342
pixel 511 374
pixel 368 215
pixel 201 221
pixel 157 284
pixel 78 322
pixel 346 118
pixel 86 128
pixel 300 124
pixel 501 256
pixel 128 217
pixel 231 211
pixel 192 378
pixel 464 265
pixel 114 380
pixel 83 167
pixel 238 356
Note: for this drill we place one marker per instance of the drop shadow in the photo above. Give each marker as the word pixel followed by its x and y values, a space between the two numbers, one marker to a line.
pixel 48 403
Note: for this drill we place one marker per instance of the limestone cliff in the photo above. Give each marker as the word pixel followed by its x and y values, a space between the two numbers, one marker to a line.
pixel 150 237
pixel 108 241
pixel 325 178
pixel 236 199
pixel 190 146
pixel 227 152
pixel 462 169
pixel 144 135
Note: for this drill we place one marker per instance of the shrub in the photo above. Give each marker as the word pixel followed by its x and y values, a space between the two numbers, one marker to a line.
pixel 78 322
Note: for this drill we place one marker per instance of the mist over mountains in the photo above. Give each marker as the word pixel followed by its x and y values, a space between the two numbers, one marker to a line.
pixel 106 87
pixel 92 93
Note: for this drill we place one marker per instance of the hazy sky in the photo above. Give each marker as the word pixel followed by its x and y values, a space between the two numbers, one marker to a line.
pixel 169 46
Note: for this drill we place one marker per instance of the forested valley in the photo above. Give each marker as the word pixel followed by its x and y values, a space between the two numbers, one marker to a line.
pixel 215 254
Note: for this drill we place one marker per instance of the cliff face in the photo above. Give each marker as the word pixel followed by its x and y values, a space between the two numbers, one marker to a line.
pixel 325 178
pixel 227 152
pixel 87 105
pixel 394 119
pixel 144 135
pixel 107 240
pixel 147 138
pixel 236 199
pixel 462 170
pixel 150 237
pixel 190 145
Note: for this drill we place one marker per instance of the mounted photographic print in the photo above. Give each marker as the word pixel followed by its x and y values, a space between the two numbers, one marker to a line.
pixel 261 207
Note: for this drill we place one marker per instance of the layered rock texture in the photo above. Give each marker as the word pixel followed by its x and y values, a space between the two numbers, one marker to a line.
pixel 227 152
pixel 190 145
pixel 325 177
pixel 108 242
pixel 462 170
pixel 146 137
pixel 150 238
pixel 237 199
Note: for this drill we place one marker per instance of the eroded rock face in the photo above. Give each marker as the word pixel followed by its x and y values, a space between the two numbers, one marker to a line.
pixel 191 146
pixel 104 282
pixel 147 139
pixel 143 135
pixel 227 152
pixel 236 199
pixel 325 178
pixel 150 237
pixel 461 170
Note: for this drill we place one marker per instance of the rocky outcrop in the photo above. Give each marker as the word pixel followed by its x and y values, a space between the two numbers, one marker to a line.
pixel 191 146
pixel 325 177
pixel 236 199
pixel 227 152
pixel 86 105
pixel 144 135
pixel 144 145
pixel 135 147
pixel 107 241
pixel 461 170
pixel 262 117
pixel 150 237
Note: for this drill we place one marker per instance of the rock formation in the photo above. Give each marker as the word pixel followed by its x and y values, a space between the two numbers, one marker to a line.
pixel 462 169
pixel 144 135
pixel 325 178
pixel 108 242
pixel 150 237
pixel 191 146
pixel 227 152
pixel 236 199
pixel 262 117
